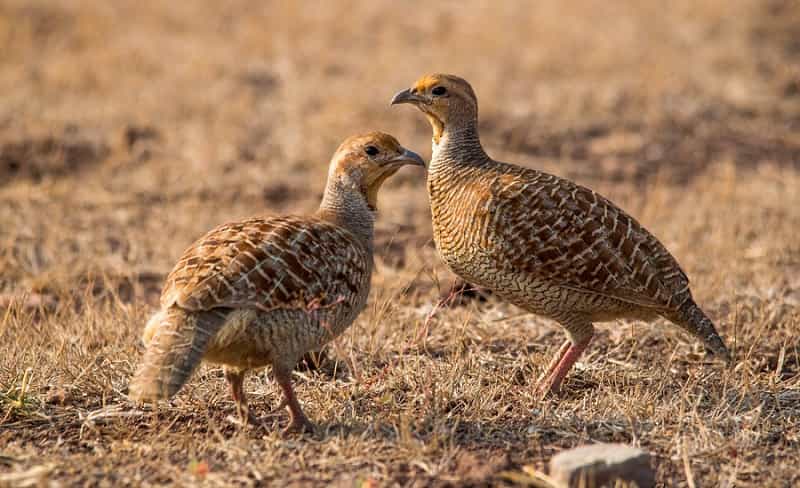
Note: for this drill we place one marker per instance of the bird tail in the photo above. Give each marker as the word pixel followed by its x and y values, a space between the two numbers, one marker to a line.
pixel 176 340
pixel 692 319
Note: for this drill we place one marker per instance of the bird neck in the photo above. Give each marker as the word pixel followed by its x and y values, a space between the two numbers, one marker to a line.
pixel 459 144
pixel 348 208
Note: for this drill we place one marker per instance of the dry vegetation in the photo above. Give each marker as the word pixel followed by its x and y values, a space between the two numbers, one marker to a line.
pixel 128 128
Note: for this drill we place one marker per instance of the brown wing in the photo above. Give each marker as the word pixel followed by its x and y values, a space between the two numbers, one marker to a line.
pixel 268 263
pixel 572 236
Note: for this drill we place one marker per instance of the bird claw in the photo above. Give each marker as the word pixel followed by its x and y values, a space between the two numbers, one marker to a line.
pixel 298 426
pixel 543 392
pixel 546 388
pixel 280 407
pixel 237 420
pixel 244 417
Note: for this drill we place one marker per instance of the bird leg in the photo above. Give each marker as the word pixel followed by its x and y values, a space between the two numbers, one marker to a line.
pixel 298 422
pixel 552 383
pixel 236 380
pixel 554 362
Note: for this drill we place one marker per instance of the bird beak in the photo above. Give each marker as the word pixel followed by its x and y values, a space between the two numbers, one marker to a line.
pixel 407 96
pixel 409 157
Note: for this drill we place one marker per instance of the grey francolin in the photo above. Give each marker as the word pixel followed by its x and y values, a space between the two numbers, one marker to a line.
pixel 543 243
pixel 266 290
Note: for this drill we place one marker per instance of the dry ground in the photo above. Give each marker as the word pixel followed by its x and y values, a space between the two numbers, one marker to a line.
pixel 128 128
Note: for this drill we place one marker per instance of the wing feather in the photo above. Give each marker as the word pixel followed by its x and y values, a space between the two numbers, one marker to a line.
pixel 570 235
pixel 268 264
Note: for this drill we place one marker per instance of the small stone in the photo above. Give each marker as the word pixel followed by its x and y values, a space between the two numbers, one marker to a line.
pixel 599 465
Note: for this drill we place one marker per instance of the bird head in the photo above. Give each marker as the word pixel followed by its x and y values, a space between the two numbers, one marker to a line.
pixel 363 162
pixel 446 100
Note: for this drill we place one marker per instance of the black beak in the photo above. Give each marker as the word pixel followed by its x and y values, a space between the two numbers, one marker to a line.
pixel 407 96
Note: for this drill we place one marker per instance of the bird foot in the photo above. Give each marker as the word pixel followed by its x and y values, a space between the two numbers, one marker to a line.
pixel 298 425
pixel 280 407
pixel 549 386
pixel 244 419
pixel 545 389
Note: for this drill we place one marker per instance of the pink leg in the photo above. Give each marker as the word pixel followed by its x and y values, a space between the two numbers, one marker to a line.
pixel 236 380
pixel 554 362
pixel 553 381
pixel 298 422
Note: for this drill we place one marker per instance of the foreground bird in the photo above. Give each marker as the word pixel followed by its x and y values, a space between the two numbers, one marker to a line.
pixel 269 289
pixel 543 243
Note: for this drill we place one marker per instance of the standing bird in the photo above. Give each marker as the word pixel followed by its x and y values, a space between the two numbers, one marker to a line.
pixel 544 243
pixel 269 289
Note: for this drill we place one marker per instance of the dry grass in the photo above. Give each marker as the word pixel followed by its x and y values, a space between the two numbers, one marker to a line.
pixel 127 129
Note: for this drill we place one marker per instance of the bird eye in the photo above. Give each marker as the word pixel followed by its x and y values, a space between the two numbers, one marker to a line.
pixel 371 150
pixel 439 91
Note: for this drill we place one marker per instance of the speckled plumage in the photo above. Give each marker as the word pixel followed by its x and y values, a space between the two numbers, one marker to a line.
pixel 544 243
pixel 266 290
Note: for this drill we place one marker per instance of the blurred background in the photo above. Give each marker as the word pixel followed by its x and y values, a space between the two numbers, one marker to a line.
pixel 130 128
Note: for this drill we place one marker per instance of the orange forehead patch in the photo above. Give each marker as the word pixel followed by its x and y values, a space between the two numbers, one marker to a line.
pixel 427 82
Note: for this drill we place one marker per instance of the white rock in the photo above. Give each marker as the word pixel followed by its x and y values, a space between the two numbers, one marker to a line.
pixel 599 465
